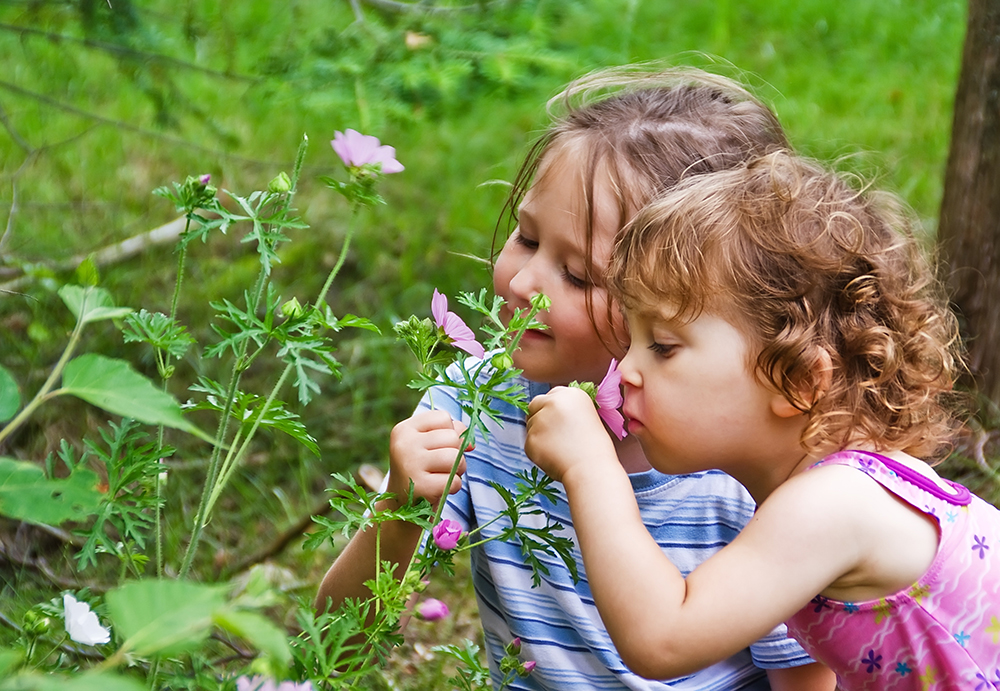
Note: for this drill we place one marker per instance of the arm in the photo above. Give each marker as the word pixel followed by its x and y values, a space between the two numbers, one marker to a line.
pixel 730 601
pixel 422 449
pixel 814 677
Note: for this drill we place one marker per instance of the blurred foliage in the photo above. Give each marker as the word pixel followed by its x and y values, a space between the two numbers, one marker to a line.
pixel 103 101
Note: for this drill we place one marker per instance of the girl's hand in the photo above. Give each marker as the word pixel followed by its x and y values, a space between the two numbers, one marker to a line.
pixel 564 431
pixel 423 449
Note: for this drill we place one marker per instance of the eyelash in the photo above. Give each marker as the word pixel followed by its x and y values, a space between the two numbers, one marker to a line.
pixel 662 349
pixel 567 276
pixel 525 242
pixel 573 280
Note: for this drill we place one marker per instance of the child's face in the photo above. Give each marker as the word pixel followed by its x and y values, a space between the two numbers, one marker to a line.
pixel 692 400
pixel 546 253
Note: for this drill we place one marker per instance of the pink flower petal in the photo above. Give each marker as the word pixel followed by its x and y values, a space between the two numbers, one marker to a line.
pixel 432 610
pixel 356 149
pixel 454 328
pixel 446 534
pixel 614 420
pixel 609 399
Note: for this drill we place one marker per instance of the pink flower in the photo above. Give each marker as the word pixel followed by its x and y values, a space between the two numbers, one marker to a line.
pixel 432 610
pixel 205 179
pixel 526 668
pixel 446 534
pixel 453 326
pixel 356 149
pixel 609 400
pixel 259 683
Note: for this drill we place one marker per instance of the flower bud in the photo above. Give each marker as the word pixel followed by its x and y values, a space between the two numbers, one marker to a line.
pixel 514 647
pixel 587 386
pixel 541 302
pixel 292 309
pixel 205 179
pixel 525 669
pixel 280 184
pixel 432 610
pixel 502 361
pixel 35 624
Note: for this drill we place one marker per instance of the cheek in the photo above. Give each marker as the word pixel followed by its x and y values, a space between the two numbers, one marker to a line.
pixel 504 269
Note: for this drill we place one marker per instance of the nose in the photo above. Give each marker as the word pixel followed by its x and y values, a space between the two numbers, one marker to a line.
pixel 523 285
pixel 629 371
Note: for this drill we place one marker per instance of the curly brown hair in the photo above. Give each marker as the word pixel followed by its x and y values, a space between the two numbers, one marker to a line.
pixel 813 269
pixel 648 126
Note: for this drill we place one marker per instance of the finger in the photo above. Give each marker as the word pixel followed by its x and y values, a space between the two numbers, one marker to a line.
pixel 460 429
pixel 429 420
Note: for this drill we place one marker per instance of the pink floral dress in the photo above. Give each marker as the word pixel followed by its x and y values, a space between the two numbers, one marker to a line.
pixel 940 634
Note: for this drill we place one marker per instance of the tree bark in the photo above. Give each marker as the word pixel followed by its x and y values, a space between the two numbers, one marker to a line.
pixel 969 230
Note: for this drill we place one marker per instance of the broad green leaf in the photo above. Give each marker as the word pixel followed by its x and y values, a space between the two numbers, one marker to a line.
pixel 27 495
pixel 91 304
pixel 114 386
pixel 8 662
pixel 164 616
pixel 258 630
pixel 88 681
pixel 10 398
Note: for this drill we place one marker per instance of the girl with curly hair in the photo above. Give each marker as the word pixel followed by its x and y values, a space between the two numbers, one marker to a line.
pixel 787 329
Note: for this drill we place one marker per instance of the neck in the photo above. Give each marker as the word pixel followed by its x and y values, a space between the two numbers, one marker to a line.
pixel 761 479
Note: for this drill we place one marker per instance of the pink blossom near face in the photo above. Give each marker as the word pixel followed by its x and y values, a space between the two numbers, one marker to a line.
pixel 259 683
pixel 609 400
pixel 446 534
pixel 454 328
pixel 356 149
pixel 432 610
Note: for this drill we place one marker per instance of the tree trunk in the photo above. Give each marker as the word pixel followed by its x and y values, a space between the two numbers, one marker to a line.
pixel 969 229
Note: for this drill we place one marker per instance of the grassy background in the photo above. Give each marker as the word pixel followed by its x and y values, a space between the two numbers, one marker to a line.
pixel 101 105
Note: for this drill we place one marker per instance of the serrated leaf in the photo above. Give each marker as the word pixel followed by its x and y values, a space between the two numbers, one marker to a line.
pixel 90 304
pixel 164 616
pixel 10 397
pixel 114 386
pixel 27 495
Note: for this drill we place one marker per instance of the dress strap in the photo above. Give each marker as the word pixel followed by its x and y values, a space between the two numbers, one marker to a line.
pixel 961 497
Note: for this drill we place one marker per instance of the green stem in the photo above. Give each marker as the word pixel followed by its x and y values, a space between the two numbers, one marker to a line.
pixel 54 375
pixel 163 361
pixel 351 227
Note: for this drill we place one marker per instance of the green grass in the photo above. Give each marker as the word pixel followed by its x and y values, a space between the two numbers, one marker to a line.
pixel 230 87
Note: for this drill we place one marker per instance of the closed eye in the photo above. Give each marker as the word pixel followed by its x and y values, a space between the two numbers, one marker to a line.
pixel 573 280
pixel 662 349
pixel 525 242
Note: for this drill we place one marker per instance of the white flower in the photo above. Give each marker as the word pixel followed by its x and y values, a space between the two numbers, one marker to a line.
pixel 82 625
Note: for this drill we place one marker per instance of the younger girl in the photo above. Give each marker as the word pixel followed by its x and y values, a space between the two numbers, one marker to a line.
pixel 785 329
pixel 626 135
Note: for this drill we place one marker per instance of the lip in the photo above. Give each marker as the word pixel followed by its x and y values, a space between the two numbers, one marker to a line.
pixel 535 334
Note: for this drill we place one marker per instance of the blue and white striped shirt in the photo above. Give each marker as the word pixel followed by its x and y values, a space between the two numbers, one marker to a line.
pixel 690 516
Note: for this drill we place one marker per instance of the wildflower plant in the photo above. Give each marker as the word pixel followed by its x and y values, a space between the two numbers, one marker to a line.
pixel 157 627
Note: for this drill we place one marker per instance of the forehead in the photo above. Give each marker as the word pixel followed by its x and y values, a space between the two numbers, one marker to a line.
pixel 574 183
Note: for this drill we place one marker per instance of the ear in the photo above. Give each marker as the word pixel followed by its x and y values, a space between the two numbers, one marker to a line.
pixel 820 378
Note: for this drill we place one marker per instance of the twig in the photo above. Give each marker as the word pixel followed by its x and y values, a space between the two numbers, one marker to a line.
pixel 168 232
pixel 125 51
pixel 279 543
pixel 121 125
pixel 426 8
pixel 42 566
